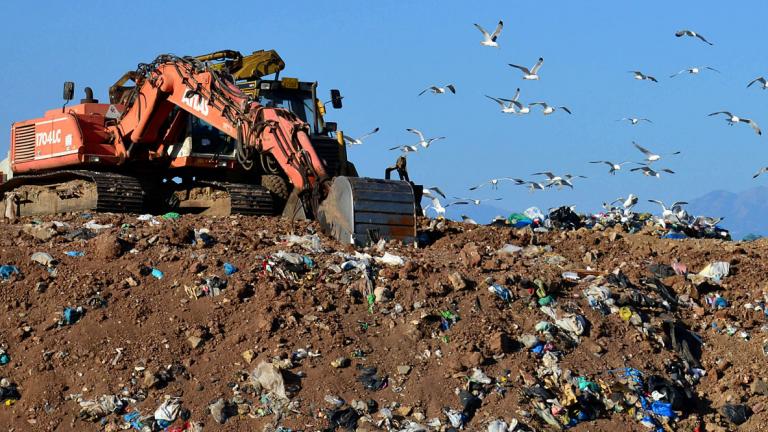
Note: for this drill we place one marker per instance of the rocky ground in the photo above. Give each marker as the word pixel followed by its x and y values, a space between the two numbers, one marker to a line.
pixel 590 329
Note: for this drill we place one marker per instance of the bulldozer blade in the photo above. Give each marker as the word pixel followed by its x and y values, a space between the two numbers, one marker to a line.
pixel 361 211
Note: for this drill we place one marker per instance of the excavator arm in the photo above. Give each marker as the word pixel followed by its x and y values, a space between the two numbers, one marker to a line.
pixel 211 95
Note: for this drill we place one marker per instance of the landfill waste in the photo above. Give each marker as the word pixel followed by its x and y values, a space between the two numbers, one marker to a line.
pixel 501 292
pixel 715 271
pixel 270 379
pixel 95 409
pixel 168 412
pixel 157 274
pixel 74 253
pixel 202 238
pixel 171 216
pixel 4 357
pixel 310 242
pixel 736 414
pixel 6 271
pixel 71 315
pixel 94 226
pixel 229 269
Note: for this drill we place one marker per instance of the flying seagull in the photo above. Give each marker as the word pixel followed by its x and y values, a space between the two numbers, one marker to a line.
pixel 436 206
pixel 439 90
pixel 493 182
pixel 532 73
pixel 489 40
pixel 468 220
pixel 649 155
pixel 692 33
pixel 521 109
pixel 614 166
pixel 634 120
pixel 641 76
pixel 432 191
pixel 424 142
pixel 465 201
pixel 533 186
pixel 650 172
pixel 359 140
pixel 550 109
pixel 694 70
pixel 506 107
pixel 736 119
pixel 763 82
pixel 406 148
pixel 762 170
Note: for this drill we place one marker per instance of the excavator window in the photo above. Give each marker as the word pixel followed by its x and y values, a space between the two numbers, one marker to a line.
pixel 208 140
pixel 298 102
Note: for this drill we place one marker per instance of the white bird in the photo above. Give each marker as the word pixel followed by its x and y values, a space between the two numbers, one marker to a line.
pixel 691 33
pixel 706 221
pixel 424 142
pixel 465 201
pixel 439 90
pixel 650 172
pixel 490 40
pixel 649 155
pixel 359 140
pixel 521 109
pixel 468 220
pixel 534 186
pixel 550 109
pixel 641 76
pixel 493 182
pixel 406 148
pixel 432 191
pixel 634 120
pixel 437 207
pixel 614 166
pixel 694 70
pixel 762 170
pixel 736 119
pixel 506 108
pixel 763 82
pixel 666 212
pixel 532 73
pixel 626 204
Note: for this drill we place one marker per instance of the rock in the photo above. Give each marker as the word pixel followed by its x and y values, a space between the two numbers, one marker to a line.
pixel 593 347
pixel 383 294
pixel 500 342
pixel 42 232
pixel 41 287
pixel 419 416
pixel 474 359
pixel 150 380
pixel 218 411
pixel 613 236
pixel 249 355
pixel 195 341
pixel 405 410
pixel 107 247
pixel 759 387
pixel 470 256
pixel 131 282
pixel 457 281
pixel 413 333
pixel 340 363
pixel 403 369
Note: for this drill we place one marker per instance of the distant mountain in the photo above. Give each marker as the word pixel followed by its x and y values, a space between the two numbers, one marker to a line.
pixel 745 212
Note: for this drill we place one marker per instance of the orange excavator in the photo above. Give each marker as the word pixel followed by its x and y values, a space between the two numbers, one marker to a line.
pixel 204 134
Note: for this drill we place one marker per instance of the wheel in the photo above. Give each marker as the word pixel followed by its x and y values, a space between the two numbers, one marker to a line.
pixel 277 185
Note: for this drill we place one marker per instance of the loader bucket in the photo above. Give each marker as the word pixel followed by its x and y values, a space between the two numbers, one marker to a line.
pixel 361 211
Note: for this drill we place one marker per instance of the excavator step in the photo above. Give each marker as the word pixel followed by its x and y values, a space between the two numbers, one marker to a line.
pixel 362 211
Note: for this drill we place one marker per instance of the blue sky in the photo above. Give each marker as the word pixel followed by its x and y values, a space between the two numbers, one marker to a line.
pixel 382 54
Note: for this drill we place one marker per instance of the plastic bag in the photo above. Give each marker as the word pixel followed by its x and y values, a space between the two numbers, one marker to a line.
pixel 270 379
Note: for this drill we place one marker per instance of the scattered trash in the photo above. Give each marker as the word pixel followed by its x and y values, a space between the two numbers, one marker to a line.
pixel 270 379
pixel 71 315
pixel 229 269
pixel 93 226
pixel 171 216
pixel 6 271
pixel 715 271
pixel 389 259
pixel 157 274
pixel 74 253
pixel 501 292
pixel 736 414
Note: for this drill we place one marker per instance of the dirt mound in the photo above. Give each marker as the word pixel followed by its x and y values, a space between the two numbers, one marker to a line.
pixel 244 324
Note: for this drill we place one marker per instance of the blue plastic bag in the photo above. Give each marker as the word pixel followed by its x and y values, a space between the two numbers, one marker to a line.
pixel 74 253
pixel 7 270
pixel 663 409
pixel 157 273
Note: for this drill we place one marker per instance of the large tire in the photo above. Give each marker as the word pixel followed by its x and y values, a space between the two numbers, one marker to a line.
pixel 277 185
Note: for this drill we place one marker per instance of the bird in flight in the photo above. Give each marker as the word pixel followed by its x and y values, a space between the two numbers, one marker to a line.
pixel 424 142
pixel 359 140
pixel 634 120
pixel 732 119
pixel 691 33
pixel 763 82
pixel 490 40
pixel 548 109
pixel 532 73
pixel 439 90
pixel 614 166
pixel 493 182
pixel 432 191
pixel 641 76
pixel 694 70
pixel 668 211
pixel 650 172
pixel 649 155
pixel 465 201
pixel 762 170
pixel 507 106
pixel 406 148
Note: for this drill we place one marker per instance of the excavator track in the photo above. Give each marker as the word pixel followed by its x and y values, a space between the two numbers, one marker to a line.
pixel 74 190
pixel 246 199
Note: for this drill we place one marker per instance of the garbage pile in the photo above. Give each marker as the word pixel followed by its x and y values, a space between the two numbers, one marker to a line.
pixel 674 223
pixel 186 323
